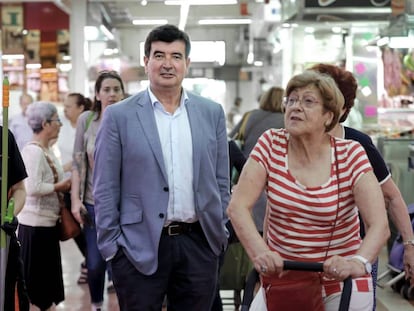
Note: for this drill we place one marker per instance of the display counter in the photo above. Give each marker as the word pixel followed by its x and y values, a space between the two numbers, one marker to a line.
pixel 398 154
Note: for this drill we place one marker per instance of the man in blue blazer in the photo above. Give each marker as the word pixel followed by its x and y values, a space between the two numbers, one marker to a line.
pixel 162 185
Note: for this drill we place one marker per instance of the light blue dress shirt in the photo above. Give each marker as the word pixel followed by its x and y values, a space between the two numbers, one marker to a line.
pixel 176 142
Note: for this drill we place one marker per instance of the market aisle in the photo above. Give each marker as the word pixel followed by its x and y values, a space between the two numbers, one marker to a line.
pixel 77 296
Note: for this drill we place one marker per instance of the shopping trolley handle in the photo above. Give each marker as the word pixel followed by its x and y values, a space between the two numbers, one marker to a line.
pixel 303 266
pixel 318 267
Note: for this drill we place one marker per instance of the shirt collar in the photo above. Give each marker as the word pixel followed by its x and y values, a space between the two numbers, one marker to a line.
pixel 154 99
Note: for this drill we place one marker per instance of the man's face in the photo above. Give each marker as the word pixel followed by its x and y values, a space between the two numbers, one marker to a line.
pixel 166 66
pixel 25 101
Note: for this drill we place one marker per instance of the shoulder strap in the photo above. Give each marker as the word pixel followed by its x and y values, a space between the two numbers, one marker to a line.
pixel 48 159
pixel 240 133
pixel 89 120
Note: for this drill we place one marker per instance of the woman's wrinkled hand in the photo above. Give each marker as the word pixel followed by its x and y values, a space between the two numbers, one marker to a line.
pixel 408 260
pixel 63 185
pixel 339 268
pixel 268 262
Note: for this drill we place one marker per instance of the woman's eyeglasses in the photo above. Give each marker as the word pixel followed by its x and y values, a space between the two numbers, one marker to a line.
pixel 304 102
pixel 57 120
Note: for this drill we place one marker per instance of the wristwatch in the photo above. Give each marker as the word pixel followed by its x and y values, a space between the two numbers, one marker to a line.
pixel 365 262
pixel 408 242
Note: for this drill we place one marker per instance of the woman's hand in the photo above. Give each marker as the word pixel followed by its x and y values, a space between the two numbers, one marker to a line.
pixel 409 262
pixel 63 185
pixel 268 263
pixel 340 268
pixel 76 210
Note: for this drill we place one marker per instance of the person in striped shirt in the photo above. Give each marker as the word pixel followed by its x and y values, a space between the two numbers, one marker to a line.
pixel 315 185
pixel 396 206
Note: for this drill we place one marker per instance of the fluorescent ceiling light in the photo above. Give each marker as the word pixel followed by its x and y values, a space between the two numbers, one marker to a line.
pixel 229 21
pixel 184 9
pixel 12 56
pixel 383 41
pixel 401 42
pixel 149 21
pixel 200 2
pixel 106 32
pixel 336 29
pixel 65 67
pixel 309 29
pixel 33 66
pixel 91 33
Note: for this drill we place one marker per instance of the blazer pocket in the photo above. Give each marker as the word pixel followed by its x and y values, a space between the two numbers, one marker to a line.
pixel 129 218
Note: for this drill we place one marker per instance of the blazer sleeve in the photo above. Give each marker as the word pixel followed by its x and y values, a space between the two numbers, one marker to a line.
pixel 107 184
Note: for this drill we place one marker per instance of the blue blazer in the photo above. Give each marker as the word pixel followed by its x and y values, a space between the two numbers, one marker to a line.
pixel 130 180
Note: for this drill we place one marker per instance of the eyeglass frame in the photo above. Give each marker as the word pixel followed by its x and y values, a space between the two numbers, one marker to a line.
pixel 309 105
pixel 51 120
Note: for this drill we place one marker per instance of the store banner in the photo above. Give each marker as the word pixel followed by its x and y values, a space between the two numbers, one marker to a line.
pixel 12 27
pixel 33 46
pixel 346 3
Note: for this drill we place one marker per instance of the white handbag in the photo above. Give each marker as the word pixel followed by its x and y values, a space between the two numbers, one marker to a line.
pixel 259 301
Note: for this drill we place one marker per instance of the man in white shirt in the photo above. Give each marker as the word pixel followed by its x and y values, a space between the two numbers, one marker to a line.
pixel 18 123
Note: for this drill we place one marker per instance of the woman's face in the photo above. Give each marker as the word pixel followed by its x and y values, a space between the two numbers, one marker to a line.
pixel 110 92
pixel 71 109
pixel 52 126
pixel 304 112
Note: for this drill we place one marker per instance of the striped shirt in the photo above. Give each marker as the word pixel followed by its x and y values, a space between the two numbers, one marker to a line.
pixel 311 223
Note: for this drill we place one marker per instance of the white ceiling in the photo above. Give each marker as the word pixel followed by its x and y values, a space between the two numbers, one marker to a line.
pixel 120 13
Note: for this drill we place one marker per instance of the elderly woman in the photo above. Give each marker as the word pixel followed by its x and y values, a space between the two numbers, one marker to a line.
pixel 38 231
pixel 315 185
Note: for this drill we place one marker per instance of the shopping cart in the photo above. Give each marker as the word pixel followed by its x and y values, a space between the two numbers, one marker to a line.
pixel 395 267
pixel 298 266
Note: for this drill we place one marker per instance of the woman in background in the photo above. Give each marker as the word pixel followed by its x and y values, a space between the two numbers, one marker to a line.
pixel 74 105
pixel 109 89
pixel 269 115
pixel 38 232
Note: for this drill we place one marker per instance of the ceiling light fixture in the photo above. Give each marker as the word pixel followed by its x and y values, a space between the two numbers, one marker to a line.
pixel 12 56
pixel 229 21
pixel 149 22
pixel 401 42
pixel 200 2
pixel 184 9
pixel 106 32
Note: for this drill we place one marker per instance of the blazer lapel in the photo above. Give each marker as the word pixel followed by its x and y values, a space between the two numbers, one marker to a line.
pixel 196 134
pixel 145 114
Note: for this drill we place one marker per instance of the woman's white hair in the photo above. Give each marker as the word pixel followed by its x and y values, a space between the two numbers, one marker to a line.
pixel 39 112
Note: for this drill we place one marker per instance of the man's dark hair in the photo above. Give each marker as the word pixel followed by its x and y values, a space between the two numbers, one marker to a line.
pixel 167 33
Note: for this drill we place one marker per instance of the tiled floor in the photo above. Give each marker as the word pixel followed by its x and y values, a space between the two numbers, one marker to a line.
pixel 77 296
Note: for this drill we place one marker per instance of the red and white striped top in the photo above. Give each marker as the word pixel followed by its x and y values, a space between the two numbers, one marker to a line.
pixel 303 221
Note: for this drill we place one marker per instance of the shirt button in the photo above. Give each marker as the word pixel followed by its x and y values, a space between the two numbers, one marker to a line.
pixel 165 189
pixel 161 215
